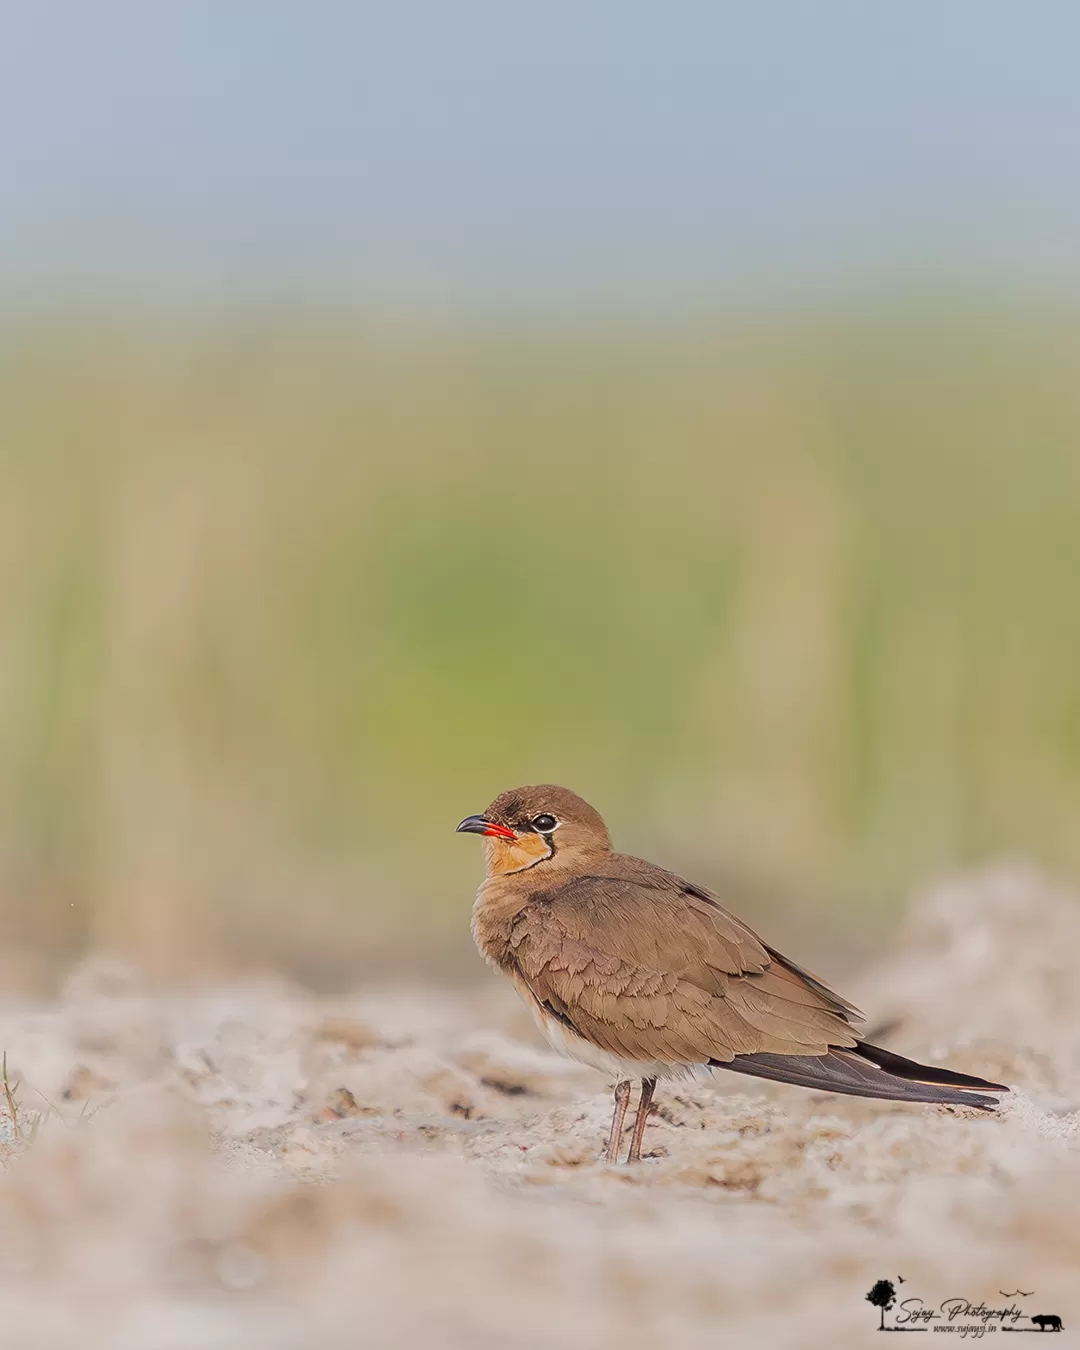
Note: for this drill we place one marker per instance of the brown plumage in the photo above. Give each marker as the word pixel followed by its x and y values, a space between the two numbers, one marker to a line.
pixel 636 971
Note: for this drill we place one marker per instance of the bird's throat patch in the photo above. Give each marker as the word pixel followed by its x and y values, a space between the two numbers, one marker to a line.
pixel 515 855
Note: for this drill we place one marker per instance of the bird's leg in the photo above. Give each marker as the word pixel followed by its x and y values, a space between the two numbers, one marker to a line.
pixel 622 1099
pixel 648 1087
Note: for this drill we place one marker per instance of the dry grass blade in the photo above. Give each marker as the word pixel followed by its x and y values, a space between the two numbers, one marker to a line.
pixel 12 1103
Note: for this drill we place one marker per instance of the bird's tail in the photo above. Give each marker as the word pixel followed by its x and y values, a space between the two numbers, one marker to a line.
pixel 869 1071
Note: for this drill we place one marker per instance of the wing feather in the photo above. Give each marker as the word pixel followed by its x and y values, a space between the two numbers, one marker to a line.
pixel 651 968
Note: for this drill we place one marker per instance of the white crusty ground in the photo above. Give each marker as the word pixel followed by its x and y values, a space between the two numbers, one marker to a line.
pixel 257 1167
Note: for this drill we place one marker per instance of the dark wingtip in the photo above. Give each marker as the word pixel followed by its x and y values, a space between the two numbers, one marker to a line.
pixel 852 1074
pixel 913 1072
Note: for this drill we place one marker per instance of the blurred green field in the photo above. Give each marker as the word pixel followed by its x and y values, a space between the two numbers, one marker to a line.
pixel 793 601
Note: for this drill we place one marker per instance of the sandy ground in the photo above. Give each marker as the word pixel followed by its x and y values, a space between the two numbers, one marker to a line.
pixel 256 1167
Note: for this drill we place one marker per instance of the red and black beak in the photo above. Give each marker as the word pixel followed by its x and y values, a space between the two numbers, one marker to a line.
pixel 481 825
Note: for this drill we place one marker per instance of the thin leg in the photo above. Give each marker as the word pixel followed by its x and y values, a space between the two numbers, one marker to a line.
pixel 648 1087
pixel 622 1099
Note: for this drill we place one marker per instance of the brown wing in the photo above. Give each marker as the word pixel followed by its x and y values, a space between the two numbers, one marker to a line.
pixel 650 967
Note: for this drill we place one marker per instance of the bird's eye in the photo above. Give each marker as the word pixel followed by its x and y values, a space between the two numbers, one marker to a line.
pixel 544 824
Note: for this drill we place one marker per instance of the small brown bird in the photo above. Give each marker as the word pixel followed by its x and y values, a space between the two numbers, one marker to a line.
pixel 642 974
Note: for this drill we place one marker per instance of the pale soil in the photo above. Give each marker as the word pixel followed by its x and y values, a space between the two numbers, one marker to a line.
pixel 255 1167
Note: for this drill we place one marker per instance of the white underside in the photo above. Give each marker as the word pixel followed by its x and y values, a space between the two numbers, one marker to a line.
pixel 566 1042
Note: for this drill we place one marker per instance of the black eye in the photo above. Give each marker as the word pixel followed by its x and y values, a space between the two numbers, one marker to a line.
pixel 544 824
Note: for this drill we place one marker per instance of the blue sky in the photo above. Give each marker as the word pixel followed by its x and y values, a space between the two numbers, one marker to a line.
pixel 502 150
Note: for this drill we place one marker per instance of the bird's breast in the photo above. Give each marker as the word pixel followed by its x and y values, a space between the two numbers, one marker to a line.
pixel 494 911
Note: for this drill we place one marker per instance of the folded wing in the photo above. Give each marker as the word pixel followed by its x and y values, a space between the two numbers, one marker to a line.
pixel 652 968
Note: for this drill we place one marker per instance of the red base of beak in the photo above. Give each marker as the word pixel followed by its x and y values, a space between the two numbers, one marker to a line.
pixel 481 825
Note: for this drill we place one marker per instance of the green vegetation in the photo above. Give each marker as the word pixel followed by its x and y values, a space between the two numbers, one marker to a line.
pixel 283 601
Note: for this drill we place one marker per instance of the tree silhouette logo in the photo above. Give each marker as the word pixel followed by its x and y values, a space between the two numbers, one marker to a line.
pixel 883 1296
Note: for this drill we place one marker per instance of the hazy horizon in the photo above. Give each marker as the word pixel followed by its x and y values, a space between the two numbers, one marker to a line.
pixel 479 154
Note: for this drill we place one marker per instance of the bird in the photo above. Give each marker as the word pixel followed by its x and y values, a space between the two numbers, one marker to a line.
pixel 642 974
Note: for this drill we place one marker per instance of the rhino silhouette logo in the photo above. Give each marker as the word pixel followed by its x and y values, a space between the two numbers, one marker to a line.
pixel 1048 1322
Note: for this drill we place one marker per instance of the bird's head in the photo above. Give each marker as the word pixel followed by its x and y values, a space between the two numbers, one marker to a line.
pixel 544 827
